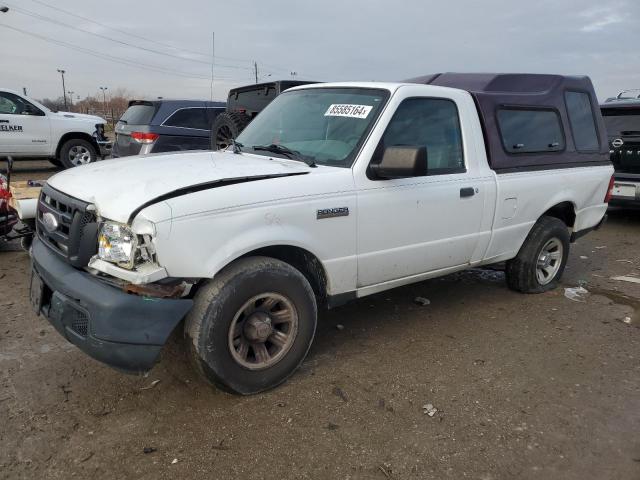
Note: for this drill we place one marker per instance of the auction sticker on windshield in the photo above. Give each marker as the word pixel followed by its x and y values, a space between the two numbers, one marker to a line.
pixel 347 110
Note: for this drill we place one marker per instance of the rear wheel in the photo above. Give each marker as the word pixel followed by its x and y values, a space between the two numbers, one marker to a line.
pixel 252 325
pixel 226 127
pixel 541 259
pixel 76 152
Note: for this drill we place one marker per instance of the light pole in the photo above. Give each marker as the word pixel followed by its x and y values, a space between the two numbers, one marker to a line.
pixel 104 99
pixel 64 90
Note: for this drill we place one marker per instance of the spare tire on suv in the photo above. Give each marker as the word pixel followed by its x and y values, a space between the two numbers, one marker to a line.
pixel 243 104
pixel 226 127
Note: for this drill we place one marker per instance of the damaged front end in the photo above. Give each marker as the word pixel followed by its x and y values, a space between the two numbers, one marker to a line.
pixel 102 288
pixel 104 144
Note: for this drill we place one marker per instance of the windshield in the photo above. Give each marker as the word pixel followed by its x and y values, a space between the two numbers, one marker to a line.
pixel 621 121
pixel 324 125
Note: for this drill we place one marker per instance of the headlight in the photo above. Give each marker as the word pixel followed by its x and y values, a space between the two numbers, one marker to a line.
pixel 117 244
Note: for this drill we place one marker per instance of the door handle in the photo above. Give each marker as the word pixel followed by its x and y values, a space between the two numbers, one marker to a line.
pixel 467 192
pixel 4 121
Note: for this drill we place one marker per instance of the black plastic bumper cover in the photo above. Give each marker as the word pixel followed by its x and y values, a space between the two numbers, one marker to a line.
pixel 576 235
pixel 124 331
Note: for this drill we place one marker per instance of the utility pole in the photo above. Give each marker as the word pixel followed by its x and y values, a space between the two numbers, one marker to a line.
pixel 213 56
pixel 255 69
pixel 64 90
pixel 104 99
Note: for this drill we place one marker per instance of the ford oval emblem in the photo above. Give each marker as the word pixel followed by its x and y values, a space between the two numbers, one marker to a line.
pixel 617 143
pixel 50 222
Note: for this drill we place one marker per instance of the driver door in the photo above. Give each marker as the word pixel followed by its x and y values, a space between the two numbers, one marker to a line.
pixel 24 128
pixel 411 226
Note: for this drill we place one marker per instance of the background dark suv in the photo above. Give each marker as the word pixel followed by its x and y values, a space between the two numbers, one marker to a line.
pixel 165 126
pixel 621 116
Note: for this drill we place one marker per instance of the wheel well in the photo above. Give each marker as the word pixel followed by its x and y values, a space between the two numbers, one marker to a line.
pixel 303 261
pixel 70 135
pixel 564 211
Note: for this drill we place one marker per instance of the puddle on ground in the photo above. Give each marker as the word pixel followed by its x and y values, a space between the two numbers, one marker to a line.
pixel 619 298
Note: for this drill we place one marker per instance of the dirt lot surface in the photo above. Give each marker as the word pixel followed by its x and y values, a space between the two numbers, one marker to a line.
pixel 525 386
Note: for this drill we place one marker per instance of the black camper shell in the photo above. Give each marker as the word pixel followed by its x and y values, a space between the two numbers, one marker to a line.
pixel 504 101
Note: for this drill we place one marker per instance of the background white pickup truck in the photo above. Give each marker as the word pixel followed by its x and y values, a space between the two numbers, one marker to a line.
pixel 28 129
pixel 335 191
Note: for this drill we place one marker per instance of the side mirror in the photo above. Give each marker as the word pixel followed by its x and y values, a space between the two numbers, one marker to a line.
pixel 402 162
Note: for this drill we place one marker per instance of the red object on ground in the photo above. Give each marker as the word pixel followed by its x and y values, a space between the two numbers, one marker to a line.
pixel 8 216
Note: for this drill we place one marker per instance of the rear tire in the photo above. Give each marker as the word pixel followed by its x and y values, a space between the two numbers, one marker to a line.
pixel 227 126
pixel 252 325
pixel 76 152
pixel 541 259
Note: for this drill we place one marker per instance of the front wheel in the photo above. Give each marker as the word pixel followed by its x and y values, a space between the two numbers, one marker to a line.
pixel 252 325
pixel 76 152
pixel 541 259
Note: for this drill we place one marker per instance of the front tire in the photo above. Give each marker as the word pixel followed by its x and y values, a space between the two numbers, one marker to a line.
pixel 541 259
pixel 76 152
pixel 252 325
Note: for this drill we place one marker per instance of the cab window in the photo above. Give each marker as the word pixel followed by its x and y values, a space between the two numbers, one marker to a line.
pixel 11 104
pixel 432 123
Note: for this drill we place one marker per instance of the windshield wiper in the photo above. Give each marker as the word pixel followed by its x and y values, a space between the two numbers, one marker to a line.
pixel 237 146
pixel 281 149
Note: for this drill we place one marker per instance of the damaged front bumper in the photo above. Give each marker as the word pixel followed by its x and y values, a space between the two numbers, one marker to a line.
pixel 124 331
pixel 105 147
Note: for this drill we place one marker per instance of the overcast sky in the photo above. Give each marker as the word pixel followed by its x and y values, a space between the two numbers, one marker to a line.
pixel 328 40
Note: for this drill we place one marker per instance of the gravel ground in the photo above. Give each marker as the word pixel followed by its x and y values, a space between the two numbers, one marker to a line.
pixel 525 386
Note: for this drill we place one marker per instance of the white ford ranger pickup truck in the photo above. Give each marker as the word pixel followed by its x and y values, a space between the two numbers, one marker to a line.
pixel 335 191
pixel 28 129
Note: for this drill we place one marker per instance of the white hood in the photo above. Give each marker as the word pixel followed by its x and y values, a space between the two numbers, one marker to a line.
pixel 80 117
pixel 119 187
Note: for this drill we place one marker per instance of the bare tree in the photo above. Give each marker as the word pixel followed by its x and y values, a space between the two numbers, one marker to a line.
pixel 117 101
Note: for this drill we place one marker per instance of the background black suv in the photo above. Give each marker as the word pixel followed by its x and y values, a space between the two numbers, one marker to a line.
pixel 165 126
pixel 621 116
pixel 243 104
